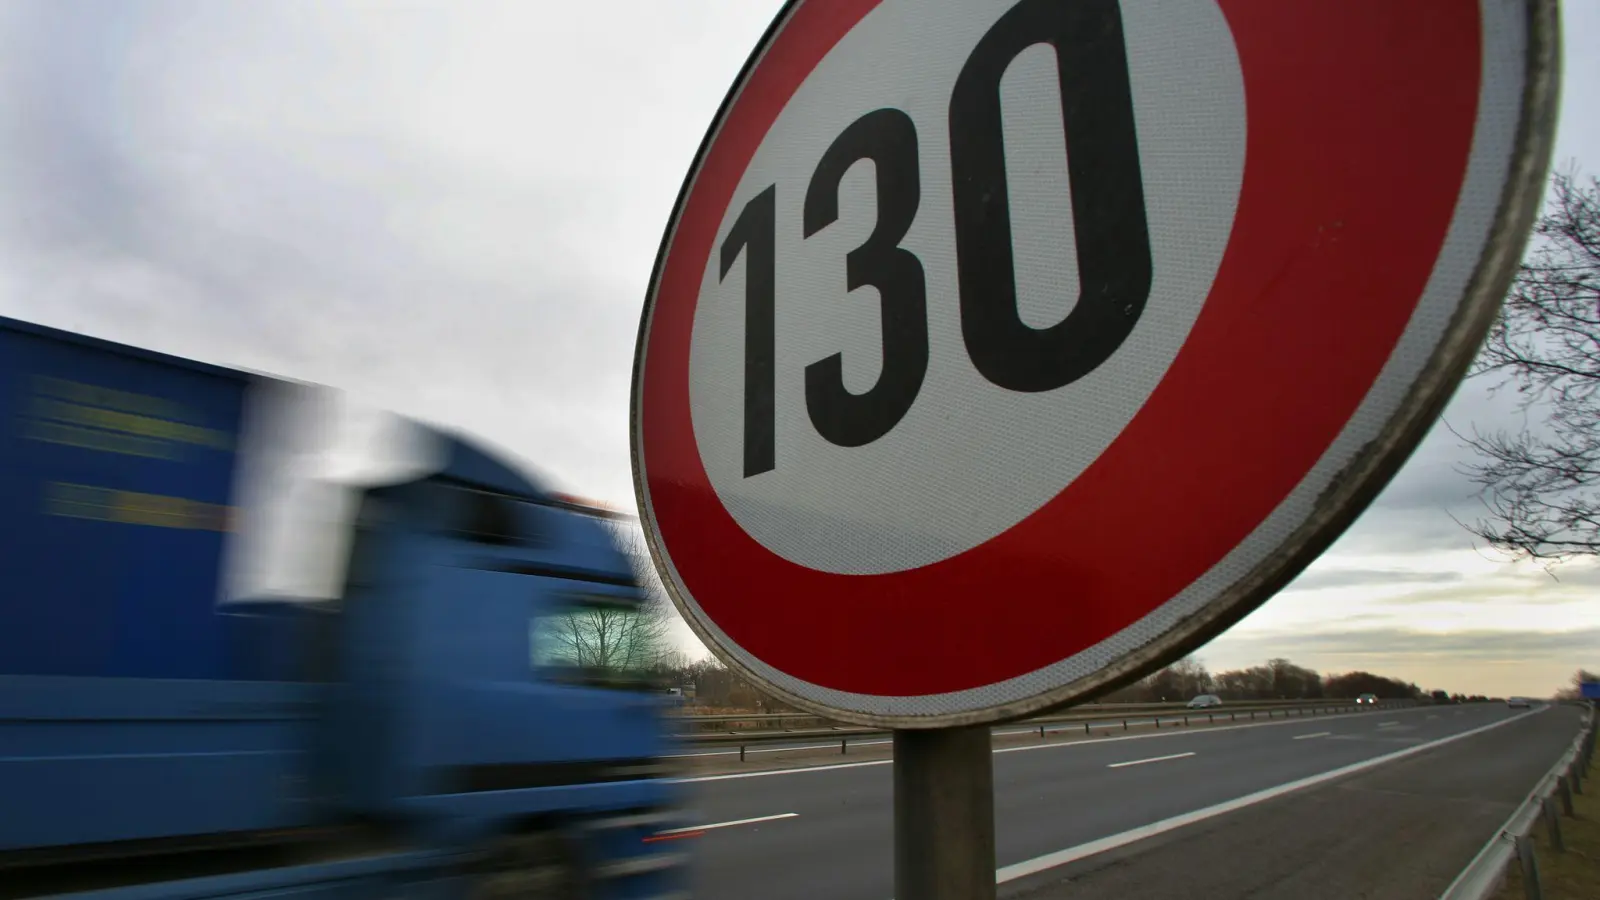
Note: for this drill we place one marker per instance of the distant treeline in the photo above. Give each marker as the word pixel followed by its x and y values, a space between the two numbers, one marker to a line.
pixel 1279 679
pixel 714 685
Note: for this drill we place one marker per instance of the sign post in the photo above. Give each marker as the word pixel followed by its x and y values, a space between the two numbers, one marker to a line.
pixel 944 813
pixel 998 353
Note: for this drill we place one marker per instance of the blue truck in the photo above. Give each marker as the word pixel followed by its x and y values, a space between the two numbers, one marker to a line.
pixel 424 734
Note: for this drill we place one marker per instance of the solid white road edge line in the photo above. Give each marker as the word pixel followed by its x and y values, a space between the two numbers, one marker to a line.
pixel 1303 737
pixel 1499 835
pixel 729 824
pixel 1140 762
pixel 1073 854
pixel 1176 732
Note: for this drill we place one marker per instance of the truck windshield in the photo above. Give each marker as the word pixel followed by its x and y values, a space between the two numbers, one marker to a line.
pixel 598 643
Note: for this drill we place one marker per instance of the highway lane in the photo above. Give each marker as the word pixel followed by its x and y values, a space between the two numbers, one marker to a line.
pixel 1398 831
pixel 835 835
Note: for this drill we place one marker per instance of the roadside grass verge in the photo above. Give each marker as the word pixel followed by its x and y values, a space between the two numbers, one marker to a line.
pixel 1575 874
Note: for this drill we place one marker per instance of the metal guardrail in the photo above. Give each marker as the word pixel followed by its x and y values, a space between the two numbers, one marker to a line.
pixel 1119 707
pixel 1155 714
pixel 1109 709
pixel 1547 802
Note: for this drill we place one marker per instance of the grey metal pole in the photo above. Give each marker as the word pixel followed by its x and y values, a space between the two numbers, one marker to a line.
pixel 944 814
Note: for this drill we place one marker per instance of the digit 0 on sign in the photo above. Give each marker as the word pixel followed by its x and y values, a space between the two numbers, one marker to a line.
pixel 1108 210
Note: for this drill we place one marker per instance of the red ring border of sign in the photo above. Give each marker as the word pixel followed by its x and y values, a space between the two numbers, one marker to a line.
pixel 702 530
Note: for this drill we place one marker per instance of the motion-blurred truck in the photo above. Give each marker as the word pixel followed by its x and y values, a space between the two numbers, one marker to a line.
pixel 423 734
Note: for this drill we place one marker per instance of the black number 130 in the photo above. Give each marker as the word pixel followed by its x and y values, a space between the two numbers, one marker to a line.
pixel 1108 210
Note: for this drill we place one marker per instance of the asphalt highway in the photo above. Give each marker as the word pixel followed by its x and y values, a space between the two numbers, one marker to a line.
pixel 1063 808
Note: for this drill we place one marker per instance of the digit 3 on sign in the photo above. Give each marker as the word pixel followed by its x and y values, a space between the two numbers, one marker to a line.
pixel 904 299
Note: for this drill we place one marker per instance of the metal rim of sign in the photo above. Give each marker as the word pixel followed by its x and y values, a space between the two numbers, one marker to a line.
pixel 1344 496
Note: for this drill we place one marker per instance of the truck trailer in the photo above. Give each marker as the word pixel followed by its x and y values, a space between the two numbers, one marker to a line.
pixel 423 734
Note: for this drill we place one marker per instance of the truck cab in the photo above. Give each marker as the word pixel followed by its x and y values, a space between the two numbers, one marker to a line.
pixel 471 717
pixel 495 648
pixel 491 674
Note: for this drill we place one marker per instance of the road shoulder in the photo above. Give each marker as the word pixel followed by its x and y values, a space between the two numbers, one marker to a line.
pixel 1397 832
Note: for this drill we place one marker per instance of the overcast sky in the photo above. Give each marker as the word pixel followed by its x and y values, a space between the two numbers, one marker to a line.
pixel 449 209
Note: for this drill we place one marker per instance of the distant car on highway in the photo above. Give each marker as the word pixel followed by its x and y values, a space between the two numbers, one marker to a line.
pixel 1205 701
pixel 1519 703
pixel 1367 700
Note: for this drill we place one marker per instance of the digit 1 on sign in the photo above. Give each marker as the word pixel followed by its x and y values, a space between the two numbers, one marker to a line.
pixel 755 232
pixel 889 139
pixel 1108 210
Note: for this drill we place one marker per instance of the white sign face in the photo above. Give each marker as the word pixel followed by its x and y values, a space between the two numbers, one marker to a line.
pixel 999 351
pixel 996 454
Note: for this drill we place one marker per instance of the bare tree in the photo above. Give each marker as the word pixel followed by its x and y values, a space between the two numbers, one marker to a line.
pixel 1354 684
pixel 672 662
pixel 603 637
pixel 1253 683
pixel 615 637
pixel 1292 682
pixel 1180 681
pixel 1541 484
pixel 1574 690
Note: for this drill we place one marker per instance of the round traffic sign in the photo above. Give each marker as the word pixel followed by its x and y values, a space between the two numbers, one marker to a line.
pixel 997 352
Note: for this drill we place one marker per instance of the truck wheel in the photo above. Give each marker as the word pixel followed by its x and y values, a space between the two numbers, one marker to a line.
pixel 537 866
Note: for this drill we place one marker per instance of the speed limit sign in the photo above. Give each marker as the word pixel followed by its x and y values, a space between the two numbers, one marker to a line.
pixel 999 351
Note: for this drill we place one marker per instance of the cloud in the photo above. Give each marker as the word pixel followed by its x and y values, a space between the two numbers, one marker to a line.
pixel 1320 579
pixel 1510 593
pixel 1384 530
pixel 449 210
pixel 1458 575
pixel 1430 503
pixel 1380 645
